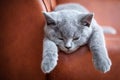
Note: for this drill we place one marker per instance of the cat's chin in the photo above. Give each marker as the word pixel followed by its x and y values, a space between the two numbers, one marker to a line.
pixel 69 51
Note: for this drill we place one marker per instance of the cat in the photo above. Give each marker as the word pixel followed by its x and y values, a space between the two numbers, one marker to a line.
pixel 67 28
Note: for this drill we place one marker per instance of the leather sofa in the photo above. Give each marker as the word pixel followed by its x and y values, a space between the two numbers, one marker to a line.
pixel 21 35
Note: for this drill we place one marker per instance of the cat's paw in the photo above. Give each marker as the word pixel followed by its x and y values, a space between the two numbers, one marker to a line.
pixel 102 63
pixel 48 64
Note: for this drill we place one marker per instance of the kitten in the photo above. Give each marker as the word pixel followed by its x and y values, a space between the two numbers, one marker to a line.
pixel 67 28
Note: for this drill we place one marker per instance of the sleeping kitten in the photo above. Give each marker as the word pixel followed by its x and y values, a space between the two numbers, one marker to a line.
pixel 68 27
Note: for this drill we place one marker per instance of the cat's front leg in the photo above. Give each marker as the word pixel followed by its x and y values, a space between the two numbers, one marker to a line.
pixel 50 56
pixel 97 45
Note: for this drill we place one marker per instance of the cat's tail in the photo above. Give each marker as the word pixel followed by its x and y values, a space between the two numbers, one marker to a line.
pixel 109 30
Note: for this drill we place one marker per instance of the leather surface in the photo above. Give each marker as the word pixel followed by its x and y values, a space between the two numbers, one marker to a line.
pixel 21 35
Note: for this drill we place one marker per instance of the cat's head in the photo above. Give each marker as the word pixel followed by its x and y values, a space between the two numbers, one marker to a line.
pixel 68 29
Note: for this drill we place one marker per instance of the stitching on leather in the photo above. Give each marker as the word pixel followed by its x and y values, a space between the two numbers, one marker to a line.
pixel 45 5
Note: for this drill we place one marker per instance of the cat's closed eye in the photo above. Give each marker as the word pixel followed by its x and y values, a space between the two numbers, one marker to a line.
pixel 60 38
pixel 76 38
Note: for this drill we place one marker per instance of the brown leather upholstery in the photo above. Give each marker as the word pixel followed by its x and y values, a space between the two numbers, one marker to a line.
pixel 21 35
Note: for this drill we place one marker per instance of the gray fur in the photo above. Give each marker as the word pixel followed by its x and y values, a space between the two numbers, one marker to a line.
pixel 69 27
pixel 109 30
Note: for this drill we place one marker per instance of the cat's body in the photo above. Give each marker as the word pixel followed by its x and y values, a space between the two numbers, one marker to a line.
pixel 68 27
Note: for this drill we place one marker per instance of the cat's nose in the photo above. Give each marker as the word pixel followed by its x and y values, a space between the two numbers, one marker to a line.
pixel 68 44
pixel 68 47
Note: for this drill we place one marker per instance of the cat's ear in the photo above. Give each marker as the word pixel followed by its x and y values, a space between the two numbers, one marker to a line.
pixel 50 19
pixel 87 19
